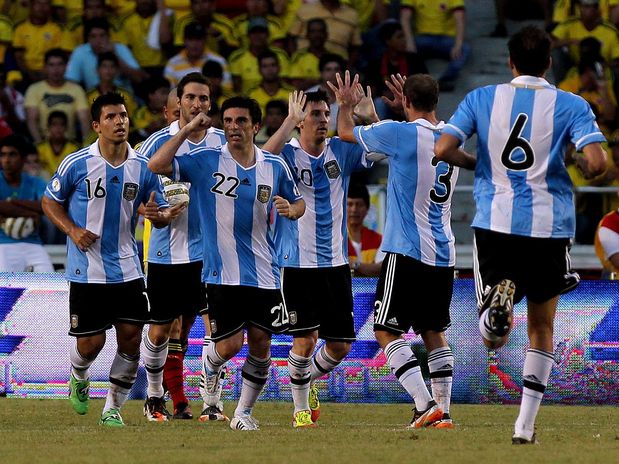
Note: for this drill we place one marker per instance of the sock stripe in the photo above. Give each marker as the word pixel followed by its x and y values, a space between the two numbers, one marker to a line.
pixel 299 364
pixel 320 368
pixel 546 354
pixel 121 383
pixel 254 379
pixel 393 347
pixel 406 366
pixel 258 363
pixel 441 374
pixel 152 347
pixel 535 386
pixel 303 381
pixel 153 370
pixel 128 357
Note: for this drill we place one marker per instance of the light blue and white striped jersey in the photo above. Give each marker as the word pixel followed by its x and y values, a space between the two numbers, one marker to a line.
pixel 236 205
pixel 104 200
pixel 419 190
pixel 181 241
pixel 523 128
pixel 319 238
pixel 30 188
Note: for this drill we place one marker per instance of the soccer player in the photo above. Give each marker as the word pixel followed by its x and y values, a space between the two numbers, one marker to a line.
pixel 313 250
pixel 93 198
pixel 525 206
pixel 238 187
pixel 416 279
pixel 175 261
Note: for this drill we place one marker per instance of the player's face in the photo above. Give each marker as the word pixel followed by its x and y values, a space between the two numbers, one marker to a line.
pixel 11 160
pixel 356 211
pixel 113 124
pixel 196 99
pixel 239 128
pixel 316 122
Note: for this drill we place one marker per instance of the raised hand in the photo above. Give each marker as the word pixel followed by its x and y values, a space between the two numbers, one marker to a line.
pixel 397 89
pixel 296 103
pixel 346 93
pixel 365 109
pixel 199 123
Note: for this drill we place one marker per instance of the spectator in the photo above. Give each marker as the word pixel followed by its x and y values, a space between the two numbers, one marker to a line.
pixel 342 23
pixel 56 146
pixel 568 35
pixel 501 13
pixel 214 72
pixel 567 9
pixel 82 67
pixel 137 27
pixel 56 94
pixel 370 12
pixel 220 30
pixel 364 255
pixel 21 201
pixel 274 115
pixel 330 64
pixel 260 9
pixel 193 56
pixel 150 118
pixel 271 87
pixel 12 110
pixel 6 35
pixel 304 64
pixel 244 63
pixel 34 37
pixel 73 35
pixel 439 33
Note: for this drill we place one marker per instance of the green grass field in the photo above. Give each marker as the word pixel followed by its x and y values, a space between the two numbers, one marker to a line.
pixel 47 431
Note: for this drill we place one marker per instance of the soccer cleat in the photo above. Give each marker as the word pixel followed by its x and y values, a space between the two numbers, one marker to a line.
pixel 314 403
pixel 426 418
pixel 212 387
pixel 444 423
pixel 302 419
pixel 155 410
pixel 520 440
pixel 111 418
pixel 213 413
pixel 78 394
pixel 182 411
pixel 501 307
pixel 244 422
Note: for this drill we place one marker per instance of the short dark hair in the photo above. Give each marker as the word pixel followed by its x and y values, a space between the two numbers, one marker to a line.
pixel 111 98
pixel 267 54
pixel 387 29
pixel 17 142
pixel 95 23
pixel 529 51
pixel 244 102
pixel 358 190
pixel 57 53
pixel 320 21
pixel 57 115
pixel 212 68
pixel 316 96
pixel 421 91
pixel 196 77
pixel 107 56
pixel 330 57
pixel 280 105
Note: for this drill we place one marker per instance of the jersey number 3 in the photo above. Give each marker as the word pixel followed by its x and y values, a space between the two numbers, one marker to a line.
pixel 444 180
pixel 514 142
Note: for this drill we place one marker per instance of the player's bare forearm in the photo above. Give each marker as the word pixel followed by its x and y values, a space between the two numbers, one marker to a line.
pixel 161 161
pixel 276 142
pixel 30 205
pixel 346 123
pixel 57 213
pixel 447 149
pixel 592 162
pixel 297 209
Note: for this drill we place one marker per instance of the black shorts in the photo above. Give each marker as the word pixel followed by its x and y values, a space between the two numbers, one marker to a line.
pixel 94 308
pixel 234 307
pixel 319 299
pixel 175 290
pixel 539 267
pixel 412 294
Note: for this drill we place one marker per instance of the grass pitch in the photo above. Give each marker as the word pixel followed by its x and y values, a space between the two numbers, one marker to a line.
pixel 48 431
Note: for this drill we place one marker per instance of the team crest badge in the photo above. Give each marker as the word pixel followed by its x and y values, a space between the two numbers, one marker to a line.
pixel 213 326
pixel 264 193
pixel 130 191
pixel 292 315
pixel 56 185
pixel 333 169
pixel 74 321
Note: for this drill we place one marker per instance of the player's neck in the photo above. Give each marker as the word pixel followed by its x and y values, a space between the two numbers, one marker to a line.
pixel 113 153
pixel 413 115
pixel 245 156
pixel 311 146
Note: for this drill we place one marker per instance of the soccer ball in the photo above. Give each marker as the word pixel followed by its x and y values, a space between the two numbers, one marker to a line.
pixel 18 227
pixel 175 192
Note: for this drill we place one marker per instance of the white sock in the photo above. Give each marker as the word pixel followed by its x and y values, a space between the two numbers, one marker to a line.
pixel 154 360
pixel 123 373
pixel 299 369
pixel 405 366
pixel 322 363
pixel 79 364
pixel 536 371
pixel 255 374
pixel 441 362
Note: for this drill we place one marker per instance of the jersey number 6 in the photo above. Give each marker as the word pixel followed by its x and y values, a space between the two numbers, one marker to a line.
pixel 514 142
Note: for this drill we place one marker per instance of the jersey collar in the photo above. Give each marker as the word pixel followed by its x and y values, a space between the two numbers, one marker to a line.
pixel 428 125
pixel 94 151
pixel 225 152
pixel 294 142
pixel 174 128
pixel 531 81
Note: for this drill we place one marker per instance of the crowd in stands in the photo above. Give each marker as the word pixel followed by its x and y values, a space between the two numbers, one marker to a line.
pixel 57 56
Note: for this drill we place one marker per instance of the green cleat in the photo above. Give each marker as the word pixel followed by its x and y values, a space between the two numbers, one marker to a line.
pixel 314 403
pixel 78 394
pixel 111 418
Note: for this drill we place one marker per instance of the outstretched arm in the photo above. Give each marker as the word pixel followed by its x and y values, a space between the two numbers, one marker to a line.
pixel 348 97
pixel 447 148
pixel 296 114
pixel 56 212
pixel 592 162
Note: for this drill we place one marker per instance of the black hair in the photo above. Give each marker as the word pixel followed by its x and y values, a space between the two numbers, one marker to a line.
pixel 387 29
pixel 267 54
pixel 244 102
pixel 320 21
pixel 17 142
pixel 529 51
pixel 421 91
pixel 280 105
pixel 154 83
pixel 58 53
pixel 111 98
pixel 57 115
pixel 95 23
pixel 196 77
pixel 212 68
pixel 107 56
pixel 330 57
pixel 358 190
pixel 316 96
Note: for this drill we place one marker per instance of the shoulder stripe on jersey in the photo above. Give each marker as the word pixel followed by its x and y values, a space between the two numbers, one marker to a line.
pixel 142 158
pixel 365 147
pixel 457 129
pixel 580 141
pixel 146 145
pixel 279 160
pixel 71 159
pixel 52 194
